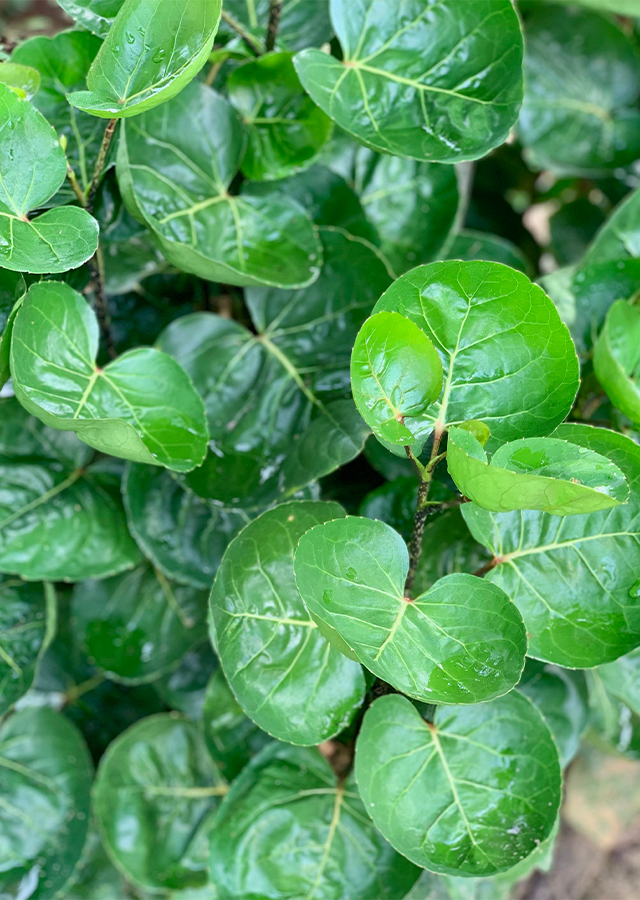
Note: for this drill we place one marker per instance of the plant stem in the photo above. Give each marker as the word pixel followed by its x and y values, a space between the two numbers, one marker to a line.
pixel 77 190
pixel 487 567
pixel 275 11
pixel 79 689
pixel 422 511
pixel 252 43
pixel 102 156
pixel 102 306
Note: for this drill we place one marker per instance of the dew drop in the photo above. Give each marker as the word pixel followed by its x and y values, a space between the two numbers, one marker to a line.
pixel 327 597
pixel 159 55
pixel 634 590
pixel 131 38
pixel 351 574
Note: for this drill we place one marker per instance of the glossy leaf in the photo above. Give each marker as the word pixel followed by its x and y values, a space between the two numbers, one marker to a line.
pixel 284 674
pixel 157 782
pixel 471 794
pixel 45 778
pixel 437 81
pixel 456 643
pixel 137 626
pixel 535 473
pixel 582 83
pixel 12 292
pixel 622 679
pixel 617 358
pixel 508 360
pixel 60 517
pixel 619 237
pixel 142 406
pixel 396 374
pixel 302 24
pixel 289 797
pixel 176 182
pixel 575 580
pixel 469 244
pixel 32 168
pixel 23 80
pixel 285 128
pixel 153 49
pixel 27 625
pixel 94 15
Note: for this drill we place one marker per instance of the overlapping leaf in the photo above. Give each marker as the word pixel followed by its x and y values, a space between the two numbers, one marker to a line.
pixel 617 358
pixel 447 547
pixel 302 24
pixel 469 244
pixel 622 679
pixel 435 81
pixel 12 291
pixel 23 80
pixel 95 15
pixel 285 675
pixel 471 794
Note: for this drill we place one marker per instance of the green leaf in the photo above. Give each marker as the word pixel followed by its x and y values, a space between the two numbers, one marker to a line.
pixel 185 688
pixel 154 794
pixel 231 738
pixel 27 625
pixel 622 679
pixel 32 168
pixel 456 643
pixel 561 699
pixel 285 128
pixel 23 80
pixel 45 778
pixel 596 287
pixel 469 244
pixel 284 674
pixel 60 516
pixel 394 503
pixel 288 797
pixel 63 62
pixel 184 535
pixel 617 358
pixel 175 181
pixel 575 580
pixel 619 237
pixel 471 794
pixel 153 49
pixel 137 626
pixel 302 24
pixel 447 547
pixel 508 360
pixel 534 473
pixel 439 82
pixel 95 15
pixel 12 292
pixel 582 83
pixel 95 877
pixel 142 406
pixel 396 374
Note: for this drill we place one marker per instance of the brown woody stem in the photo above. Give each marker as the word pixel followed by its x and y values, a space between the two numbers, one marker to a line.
pixel 102 157
pixel 422 510
pixel 252 43
pixel 101 303
pixel 275 11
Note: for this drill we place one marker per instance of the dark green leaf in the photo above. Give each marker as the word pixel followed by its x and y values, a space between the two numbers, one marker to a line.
pixel 137 626
pixel 153 797
pixel 185 688
pixel 394 503
pixel 12 292
pixel 439 82
pixel 469 244
pixel 32 168
pixel 23 80
pixel 288 797
pixel 619 237
pixel 153 49
pixel 95 877
pixel 142 406
pixel 45 777
pixel 285 128
pixel 471 794
pixel 303 23
pixel 95 15
pixel 617 358
pixel 456 643
pixel 286 677
pixel 575 580
pixel 447 547
pixel 622 679
pixel 175 180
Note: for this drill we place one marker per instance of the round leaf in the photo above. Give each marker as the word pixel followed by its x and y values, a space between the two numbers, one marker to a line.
pixel 616 358
pixel 456 643
pixel 285 675
pixel 23 80
pixel 142 406
pixel 508 360
pixel 435 81
pixel 287 797
pixel 535 473
pixel 575 580
pixel 396 374
pixel 471 794
pixel 153 49
pixel 153 798
pixel 45 778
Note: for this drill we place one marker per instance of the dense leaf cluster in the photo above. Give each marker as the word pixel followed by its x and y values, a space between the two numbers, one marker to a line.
pixel 319 481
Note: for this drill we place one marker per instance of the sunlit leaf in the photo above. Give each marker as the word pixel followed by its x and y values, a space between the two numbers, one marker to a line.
pixel 617 358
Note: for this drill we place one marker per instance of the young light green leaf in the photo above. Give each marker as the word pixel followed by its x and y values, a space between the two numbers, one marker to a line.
pixel 32 168
pixel 45 778
pixel 455 99
pixel 471 794
pixel 175 181
pixel 582 83
pixel 289 797
pixel 27 626
pixel 508 360
pixel 616 358
pixel 534 473
pixel 137 626
pixel 469 244
pixel 456 643
pixel 396 374
pixel 272 654
pixel 94 15
pixel 574 579
pixel 23 80
pixel 153 49
pixel 12 293
pixel 285 128
pixel 142 406
pixel 302 24
pixel 158 782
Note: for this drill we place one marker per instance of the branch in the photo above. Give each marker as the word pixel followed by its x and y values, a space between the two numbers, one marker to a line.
pixel 422 510
pixel 96 266
pixel 102 156
pixel 275 11
pixel 252 42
